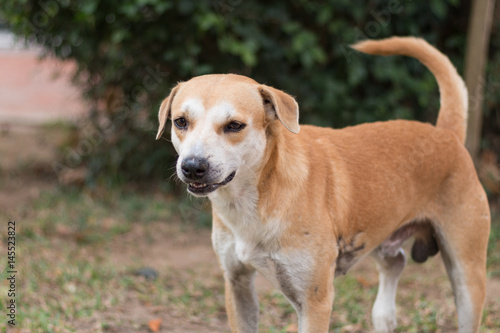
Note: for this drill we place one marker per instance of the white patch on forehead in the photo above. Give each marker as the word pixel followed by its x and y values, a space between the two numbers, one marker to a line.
pixel 193 107
pixel 222 112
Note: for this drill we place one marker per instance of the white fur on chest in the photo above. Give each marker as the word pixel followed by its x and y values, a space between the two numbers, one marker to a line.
pixel 250 232
pixel 252 239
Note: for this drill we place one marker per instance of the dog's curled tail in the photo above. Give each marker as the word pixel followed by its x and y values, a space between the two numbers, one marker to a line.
pixel 454 97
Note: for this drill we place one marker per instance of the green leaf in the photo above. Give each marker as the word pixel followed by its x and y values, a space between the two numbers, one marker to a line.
pixel 118 36
pixel 88 7
pixel 439 8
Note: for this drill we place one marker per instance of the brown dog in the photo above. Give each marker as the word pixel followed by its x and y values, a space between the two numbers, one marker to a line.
pixel 301 208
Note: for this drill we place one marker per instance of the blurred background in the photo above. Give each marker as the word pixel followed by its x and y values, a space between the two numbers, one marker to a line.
pixel 107 239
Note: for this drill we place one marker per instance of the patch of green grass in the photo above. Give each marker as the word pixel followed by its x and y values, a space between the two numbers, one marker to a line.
pixel 352 304
pixel 92 217
pixel 494 248
pixel 423 318
pixel 67 276
pixel 60 288
pixel 276 313
pixel 60 280
pixel 58 125
pixel 86 211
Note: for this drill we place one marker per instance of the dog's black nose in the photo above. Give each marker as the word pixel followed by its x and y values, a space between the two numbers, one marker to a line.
pixel 194 168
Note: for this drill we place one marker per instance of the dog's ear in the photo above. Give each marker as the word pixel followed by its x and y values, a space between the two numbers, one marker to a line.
pixel 164 112
pixel 282 105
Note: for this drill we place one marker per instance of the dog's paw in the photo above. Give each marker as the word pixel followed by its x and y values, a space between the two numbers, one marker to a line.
pixel 384 321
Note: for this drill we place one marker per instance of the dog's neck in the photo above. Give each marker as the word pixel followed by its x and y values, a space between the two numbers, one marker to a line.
pixel 284 171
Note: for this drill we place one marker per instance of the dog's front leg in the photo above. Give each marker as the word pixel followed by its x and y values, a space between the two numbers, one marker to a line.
pixel 315 316
pixel 308 285
pixel 242 305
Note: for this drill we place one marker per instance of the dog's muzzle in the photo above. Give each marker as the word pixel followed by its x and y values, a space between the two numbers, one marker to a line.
pixel 195 171
pixel 204 189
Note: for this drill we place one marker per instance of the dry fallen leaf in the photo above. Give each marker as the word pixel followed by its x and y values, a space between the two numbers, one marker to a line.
pixel 352 328
pixel 364 282
pixel 154 325
pixel 292 328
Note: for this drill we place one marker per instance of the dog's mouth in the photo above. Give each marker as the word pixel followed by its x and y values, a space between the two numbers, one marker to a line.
pixel 204 189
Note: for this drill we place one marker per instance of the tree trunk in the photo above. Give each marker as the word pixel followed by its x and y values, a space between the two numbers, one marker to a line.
pixel 478 37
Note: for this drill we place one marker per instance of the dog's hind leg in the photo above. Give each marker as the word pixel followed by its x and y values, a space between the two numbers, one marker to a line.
pixel 390 268
pixel 464 256
pixel 462 232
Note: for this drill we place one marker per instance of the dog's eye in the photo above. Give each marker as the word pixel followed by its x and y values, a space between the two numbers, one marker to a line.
pixel 234 126
pixel 181 123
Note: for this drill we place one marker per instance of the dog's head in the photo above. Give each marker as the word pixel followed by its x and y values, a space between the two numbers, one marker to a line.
pixel 219 127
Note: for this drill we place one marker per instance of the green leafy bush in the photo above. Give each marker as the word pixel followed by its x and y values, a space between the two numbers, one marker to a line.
pixel 131 52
